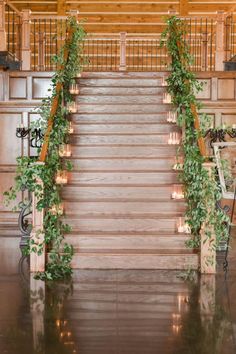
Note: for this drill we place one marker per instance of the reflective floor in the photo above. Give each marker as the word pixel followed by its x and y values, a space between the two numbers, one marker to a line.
pixel 116 312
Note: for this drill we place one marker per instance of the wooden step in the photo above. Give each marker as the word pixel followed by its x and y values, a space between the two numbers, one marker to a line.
pixel 125 164
pixel 136 260
pixel 128 242
pixel 123 108
pixel 135 226
pixel 116 118
pixel 120 82
pixel 124 151
pixel 131 139
pixel 77 192
pixel 124 209
pixel 124 178
pixel 120 99
pixel 129 91
pixel 149 129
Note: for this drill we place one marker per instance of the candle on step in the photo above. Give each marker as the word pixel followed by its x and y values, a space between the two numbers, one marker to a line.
pixel 72 107
pixel 71 129
pixel 65 150
pixel 164 82
pixel 171 117
pixel 74 89
pixel 61 177
pixel 57 209
pixel 166 98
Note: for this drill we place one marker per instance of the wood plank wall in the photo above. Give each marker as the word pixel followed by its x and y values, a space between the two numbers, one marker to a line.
pixel 133 16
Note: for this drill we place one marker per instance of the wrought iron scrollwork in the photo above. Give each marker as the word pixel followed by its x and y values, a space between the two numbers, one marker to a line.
pixel 219 135
pixel 36 136
pixel 23 221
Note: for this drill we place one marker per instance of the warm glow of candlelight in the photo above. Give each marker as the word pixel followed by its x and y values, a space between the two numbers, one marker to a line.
pixel 166 98
pixel 164 82
pixel 57 209
pixel 171 117
pixel 72 107
pixel 74 89
pixel 183 227
pixel 65 150
pixel 177 192
pixel 61 177
pixel 174 138
pixel 71 129
pixel 179 163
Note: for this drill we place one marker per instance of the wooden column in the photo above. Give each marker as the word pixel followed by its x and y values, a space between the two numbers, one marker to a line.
pixel 208 252
pixel 25 51
pixel 3 41
pixel 183 7
pixel 37 262
pixel 122 66
pixel 220 33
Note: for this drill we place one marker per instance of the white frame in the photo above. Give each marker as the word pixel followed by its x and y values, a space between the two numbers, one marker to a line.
pixel 216 147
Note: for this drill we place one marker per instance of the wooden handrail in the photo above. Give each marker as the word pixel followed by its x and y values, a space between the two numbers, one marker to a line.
pixel 55 102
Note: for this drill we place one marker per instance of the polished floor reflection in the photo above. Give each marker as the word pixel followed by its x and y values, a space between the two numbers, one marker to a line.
pixel 116 312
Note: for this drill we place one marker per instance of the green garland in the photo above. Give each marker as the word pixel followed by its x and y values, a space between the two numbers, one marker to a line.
pixel 201 190
pixel 28 173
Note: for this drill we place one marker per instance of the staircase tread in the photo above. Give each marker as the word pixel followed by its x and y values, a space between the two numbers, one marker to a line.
pixel 161 252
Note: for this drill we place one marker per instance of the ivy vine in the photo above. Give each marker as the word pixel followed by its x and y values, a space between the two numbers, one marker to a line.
pixel 29 172
pixel 201 189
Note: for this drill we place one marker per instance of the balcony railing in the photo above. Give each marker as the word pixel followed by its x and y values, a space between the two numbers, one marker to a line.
pixel 35 39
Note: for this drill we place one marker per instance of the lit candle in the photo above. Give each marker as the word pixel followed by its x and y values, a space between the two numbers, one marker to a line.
pixel 65 150
pixel 171 117
pixel 57 209
pixel 234 126
pixel 164 82
pixel 72 107
pixel 74 89
pixel 61 177
pixel 71 129
pixel 166 98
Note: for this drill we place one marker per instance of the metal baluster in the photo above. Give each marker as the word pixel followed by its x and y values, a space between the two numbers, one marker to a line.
pixel 13 33
pixel 50 43
pixel 8 29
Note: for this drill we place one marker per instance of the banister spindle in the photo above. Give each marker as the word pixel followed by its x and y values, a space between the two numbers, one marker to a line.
pixel 3 42
pixel 122 66
pixel 25 50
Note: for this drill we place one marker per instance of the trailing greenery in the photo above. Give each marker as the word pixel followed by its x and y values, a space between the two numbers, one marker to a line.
pixel 202 190
pixel 28 173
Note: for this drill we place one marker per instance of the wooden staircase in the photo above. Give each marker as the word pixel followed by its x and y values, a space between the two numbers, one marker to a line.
pixel 118 199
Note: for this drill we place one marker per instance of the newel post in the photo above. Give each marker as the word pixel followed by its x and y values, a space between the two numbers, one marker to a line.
pixel 37 262
pixel 25 51
pixel 3 41
pixel 208 249
pixel 220 35
pixel 122 66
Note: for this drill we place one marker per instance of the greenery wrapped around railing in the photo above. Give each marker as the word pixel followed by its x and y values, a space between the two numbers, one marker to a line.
pixel 55 125
pixel 200 187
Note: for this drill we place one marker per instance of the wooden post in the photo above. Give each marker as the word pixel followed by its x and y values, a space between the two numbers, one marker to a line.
pixel 41 52
pixel 220 50
pixel 37 262
pixel 122 51
pixel 208 251
pixel 3 41
pixel 25 51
